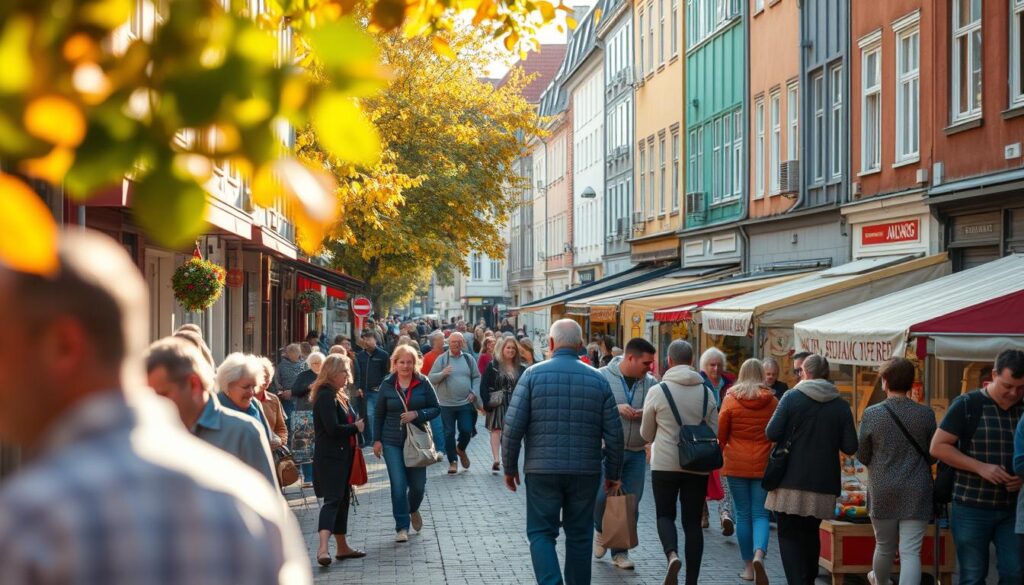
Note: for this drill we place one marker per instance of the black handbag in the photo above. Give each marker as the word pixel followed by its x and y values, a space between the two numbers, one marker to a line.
pixel 778 459
pixel 698 445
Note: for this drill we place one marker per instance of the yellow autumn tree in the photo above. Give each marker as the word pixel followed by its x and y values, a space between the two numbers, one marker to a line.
pixel 449 139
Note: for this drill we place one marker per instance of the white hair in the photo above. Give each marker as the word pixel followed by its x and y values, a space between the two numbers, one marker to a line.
pixel 566 333
pixel 316 356
pixel 456 334
pixel 293 349
pixel 237 366
pixel 711 354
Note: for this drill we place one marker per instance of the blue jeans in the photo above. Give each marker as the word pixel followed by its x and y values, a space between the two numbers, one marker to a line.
pixel 560 501
pixel 408 485
pixel 634 470
pixel 437 430
pixel 288 407
pixel 973 530
pixel 371 405
pixel 752 526
pixel 461 417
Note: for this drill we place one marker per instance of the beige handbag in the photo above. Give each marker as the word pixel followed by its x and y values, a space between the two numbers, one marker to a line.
pixel 418 450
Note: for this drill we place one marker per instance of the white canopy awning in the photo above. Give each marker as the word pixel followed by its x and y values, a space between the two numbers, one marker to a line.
pixel 784 304
pixel 870 333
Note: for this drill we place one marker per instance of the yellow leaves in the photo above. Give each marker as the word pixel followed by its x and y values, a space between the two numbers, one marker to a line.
pixel 571 22
pixel 547 10
pixel 29 242
pixel 51 167
pixel 343 129
pixel 56 120
pixel 442 46
pixel 14 55
pixel 311 190
pixel 597 16
pixel 107 14
pixel 511 41
pixel 387 15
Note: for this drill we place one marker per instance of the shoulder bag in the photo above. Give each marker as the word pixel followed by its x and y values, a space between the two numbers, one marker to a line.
pixel 698 445
pixel 418 450
pixel 778 459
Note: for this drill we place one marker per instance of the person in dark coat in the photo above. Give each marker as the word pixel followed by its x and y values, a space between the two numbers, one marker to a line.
pixel 497 384
pixel 808 490
pixel 406 398
pixel 336 425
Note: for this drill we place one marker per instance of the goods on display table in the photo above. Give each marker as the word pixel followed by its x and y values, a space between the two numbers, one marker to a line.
pixel 848 548
pixel 852 503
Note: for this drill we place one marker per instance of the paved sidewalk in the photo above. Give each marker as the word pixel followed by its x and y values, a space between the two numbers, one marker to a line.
pixel 475 532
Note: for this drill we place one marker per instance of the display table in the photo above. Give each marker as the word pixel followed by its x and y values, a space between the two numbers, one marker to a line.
pixel 847 549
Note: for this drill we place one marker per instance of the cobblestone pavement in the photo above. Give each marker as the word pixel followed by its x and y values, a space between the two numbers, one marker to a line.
pixel 475 532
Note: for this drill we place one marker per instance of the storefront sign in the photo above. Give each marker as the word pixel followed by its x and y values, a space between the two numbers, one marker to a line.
pixel 734 324
pixel 891 233
pixel 602 314
pixel 977 227
pixel 850 350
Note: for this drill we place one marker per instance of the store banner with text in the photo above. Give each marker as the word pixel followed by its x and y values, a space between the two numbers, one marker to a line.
pixel 731 323
pixel 855 349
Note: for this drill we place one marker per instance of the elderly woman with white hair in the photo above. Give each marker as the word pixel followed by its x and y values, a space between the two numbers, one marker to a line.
pixel 718 380
pixel 238 379
pixel 290 366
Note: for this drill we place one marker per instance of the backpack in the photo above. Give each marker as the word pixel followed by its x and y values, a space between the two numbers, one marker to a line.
pixel 945 475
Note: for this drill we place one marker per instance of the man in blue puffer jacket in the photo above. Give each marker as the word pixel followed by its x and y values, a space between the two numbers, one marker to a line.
pixel 567 414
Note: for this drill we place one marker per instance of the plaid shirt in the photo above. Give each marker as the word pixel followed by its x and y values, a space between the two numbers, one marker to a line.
pixel 991 443
pixel 121 494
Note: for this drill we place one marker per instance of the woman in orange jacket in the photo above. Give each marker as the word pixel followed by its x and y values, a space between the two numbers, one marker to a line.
pixel 745 412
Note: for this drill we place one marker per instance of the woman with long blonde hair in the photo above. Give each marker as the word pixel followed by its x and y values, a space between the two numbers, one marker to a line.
pixel 526 352
pixel 406 398
pixel 742 419
pixel 336 424
pixel 496 386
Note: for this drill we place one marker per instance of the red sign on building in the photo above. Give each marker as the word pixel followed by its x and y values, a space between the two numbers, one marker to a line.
pixel 891 233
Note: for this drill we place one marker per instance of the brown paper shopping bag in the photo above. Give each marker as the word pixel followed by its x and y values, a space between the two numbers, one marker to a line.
pixel 618 530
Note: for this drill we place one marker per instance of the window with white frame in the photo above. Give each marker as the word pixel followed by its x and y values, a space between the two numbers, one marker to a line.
pixel 475 267
pixel 1017 54
pixel 737 153
pixel 758 5
pixel 643 36
pixel 966 55
pixel 908 94
pixel 650 177
pixel 707 17
pixel 871 109
pixel 775 142
pixel 643 178
pixel 836 122
pixel 727 156
pixel 662 185
pixel 691 163
pixel 759 149
pixel 700 160
pixel 661 31
pixel 792 121
pixel 496 268
pixel 675 171
pixel 818 130
pixel 716 161
pixel 674 30
pixel 650 36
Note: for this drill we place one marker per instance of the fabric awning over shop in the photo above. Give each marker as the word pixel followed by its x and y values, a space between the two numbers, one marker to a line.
pixel 970 315
pixel 611 299
pixel 784 304
pixel 682 312
pixel 603 285
pixel 703 290
pixel 338 285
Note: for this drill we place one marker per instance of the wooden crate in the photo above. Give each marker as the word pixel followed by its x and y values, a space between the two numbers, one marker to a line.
pixel 847 549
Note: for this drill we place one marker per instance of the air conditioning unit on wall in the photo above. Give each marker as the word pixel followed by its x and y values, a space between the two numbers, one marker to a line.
pixel 789 177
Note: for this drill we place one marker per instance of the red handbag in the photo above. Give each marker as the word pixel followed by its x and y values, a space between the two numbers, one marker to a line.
pixel 358 475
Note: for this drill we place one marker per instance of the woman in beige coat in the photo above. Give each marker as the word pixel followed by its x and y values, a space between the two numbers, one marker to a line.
pixel 670 482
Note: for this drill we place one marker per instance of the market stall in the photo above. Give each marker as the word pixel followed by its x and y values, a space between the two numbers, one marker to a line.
pixel 764 318
pixel 953 327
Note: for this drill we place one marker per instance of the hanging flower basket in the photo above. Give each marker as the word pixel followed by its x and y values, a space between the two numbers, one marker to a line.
pixel 198 284
pixel 311 301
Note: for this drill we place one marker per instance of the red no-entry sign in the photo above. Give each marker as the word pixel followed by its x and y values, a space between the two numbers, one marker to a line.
pixel 362 307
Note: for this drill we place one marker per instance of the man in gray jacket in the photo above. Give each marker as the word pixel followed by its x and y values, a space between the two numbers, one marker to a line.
pixel 456 379
pixel 178 372
pixel 630 378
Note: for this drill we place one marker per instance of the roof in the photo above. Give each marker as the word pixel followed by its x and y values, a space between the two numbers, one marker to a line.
pixel 554 98
pixel 968 314
pixel 545 63
pixel 625 278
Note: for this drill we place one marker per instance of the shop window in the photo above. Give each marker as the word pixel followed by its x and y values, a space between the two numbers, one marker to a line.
pixel 736 349
pixel 966 56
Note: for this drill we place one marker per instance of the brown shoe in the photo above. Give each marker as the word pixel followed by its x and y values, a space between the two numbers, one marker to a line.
pixel 463 458
pixel 453 468
pixel 417 521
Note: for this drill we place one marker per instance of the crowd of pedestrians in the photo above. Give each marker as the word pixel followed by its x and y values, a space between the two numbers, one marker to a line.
pixel 203 468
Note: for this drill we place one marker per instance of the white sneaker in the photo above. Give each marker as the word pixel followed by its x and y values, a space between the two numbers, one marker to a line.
pixel 402 536
pixel 599 549
pixel 622 561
